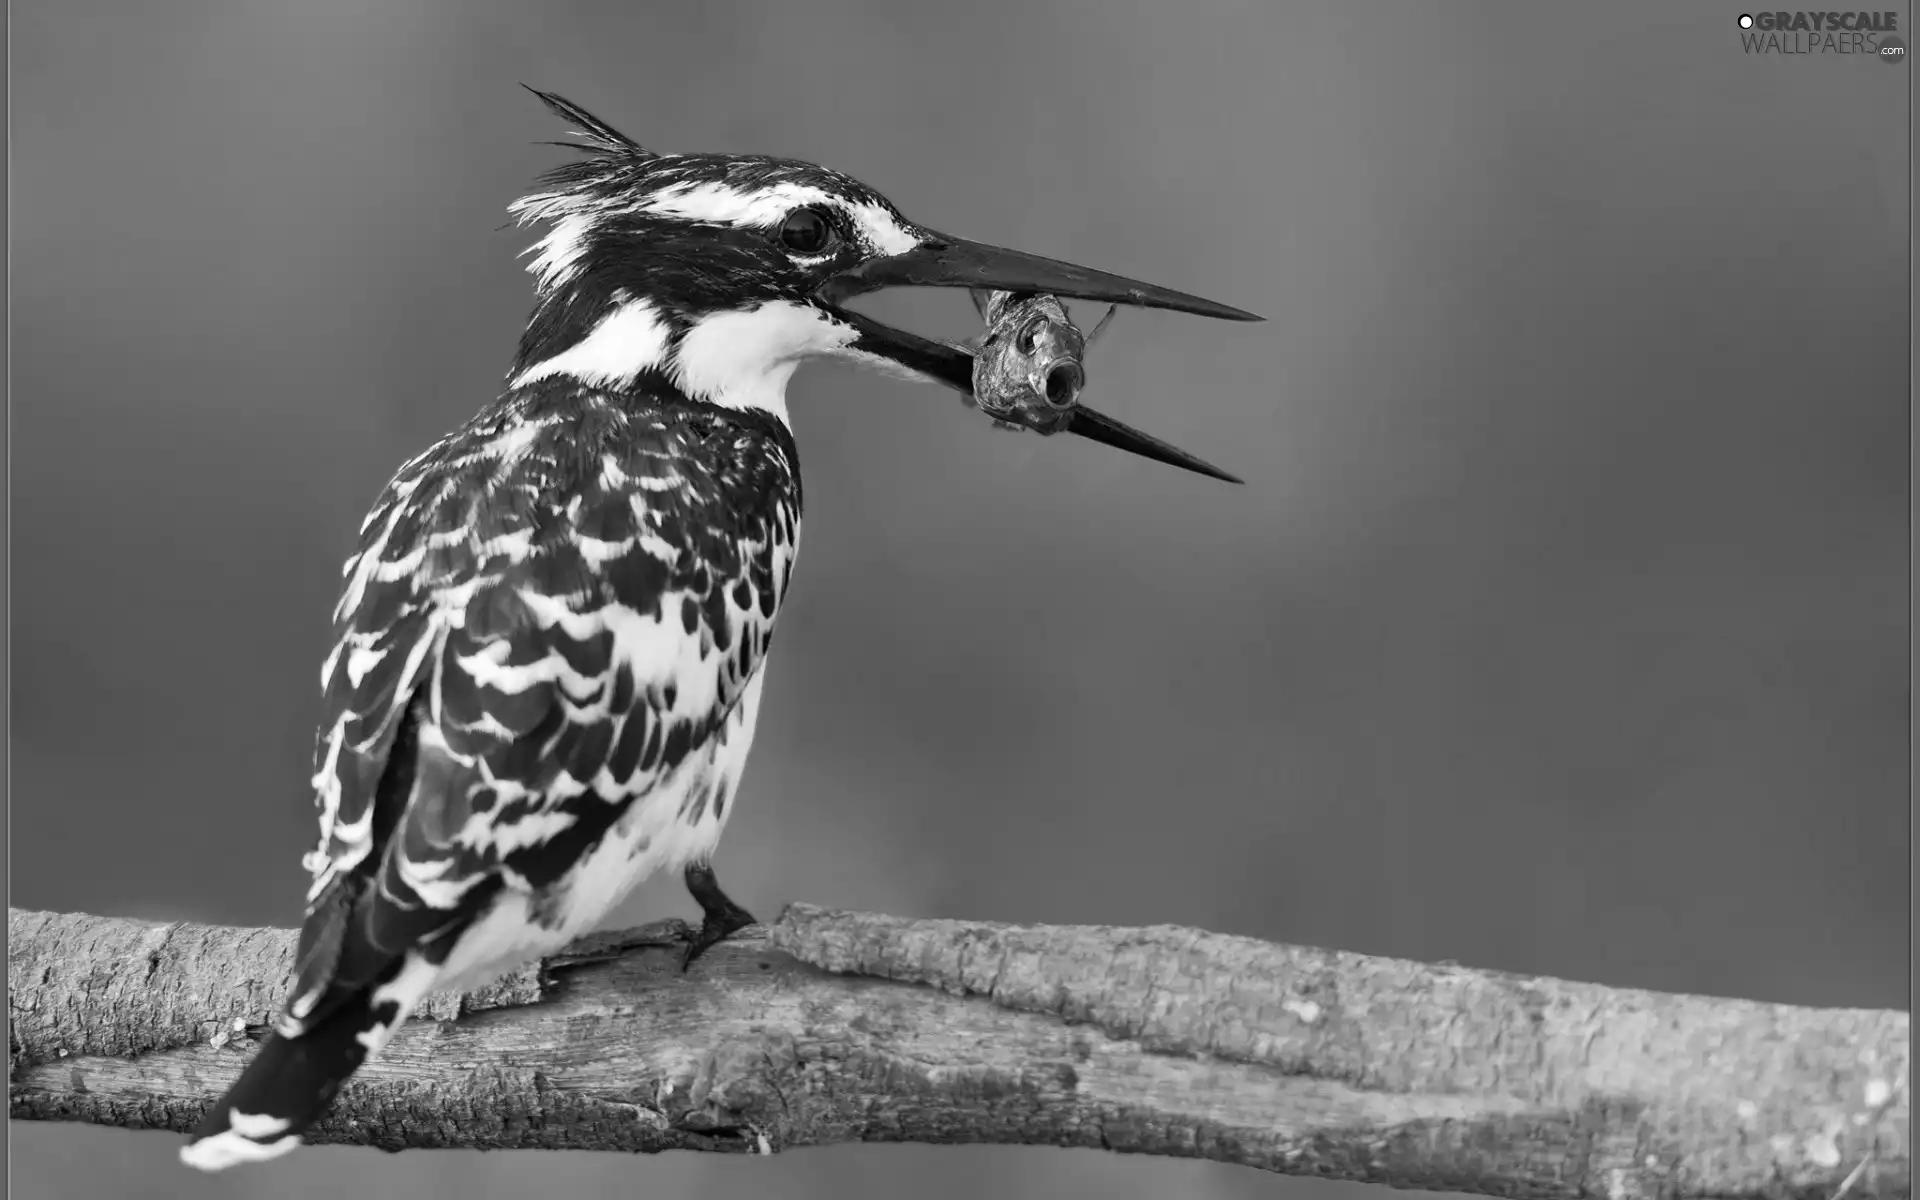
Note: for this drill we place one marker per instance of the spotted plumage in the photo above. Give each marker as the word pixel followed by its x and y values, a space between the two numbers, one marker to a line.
pixel 551 640
pixel 560 604
pixel 544 683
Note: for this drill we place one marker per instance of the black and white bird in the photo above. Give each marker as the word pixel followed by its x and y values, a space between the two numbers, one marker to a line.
pixel 552 638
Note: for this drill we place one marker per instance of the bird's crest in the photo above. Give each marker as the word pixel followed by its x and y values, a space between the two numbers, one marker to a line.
pixel 597 136
pixel 619 182
pixel 575 196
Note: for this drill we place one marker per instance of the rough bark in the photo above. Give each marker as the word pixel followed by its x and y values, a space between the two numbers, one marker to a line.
pixel 836 1026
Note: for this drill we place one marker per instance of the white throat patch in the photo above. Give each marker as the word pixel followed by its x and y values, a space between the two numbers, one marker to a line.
pixel 739 360
pixel 743 360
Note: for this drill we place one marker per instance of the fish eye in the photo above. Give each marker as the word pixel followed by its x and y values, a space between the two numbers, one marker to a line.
pixel 1029 335
pixel 806 231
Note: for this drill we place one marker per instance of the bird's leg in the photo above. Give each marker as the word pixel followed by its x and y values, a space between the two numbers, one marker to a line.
pixel 723 917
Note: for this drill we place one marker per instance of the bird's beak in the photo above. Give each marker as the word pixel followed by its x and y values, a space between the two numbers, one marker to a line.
pixel 943 261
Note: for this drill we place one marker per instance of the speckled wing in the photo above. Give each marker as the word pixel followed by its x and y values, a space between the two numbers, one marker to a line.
pixel 548 611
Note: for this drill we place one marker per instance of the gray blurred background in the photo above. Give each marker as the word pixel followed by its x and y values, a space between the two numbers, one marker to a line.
pixel 1560 627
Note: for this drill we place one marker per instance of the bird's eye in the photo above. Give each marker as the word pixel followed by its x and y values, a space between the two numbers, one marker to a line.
pixel 806 231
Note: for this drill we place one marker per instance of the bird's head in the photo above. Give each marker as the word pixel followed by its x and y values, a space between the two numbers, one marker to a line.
pixel 718 274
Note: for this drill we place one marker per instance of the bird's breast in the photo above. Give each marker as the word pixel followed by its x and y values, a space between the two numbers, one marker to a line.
pixel 676 822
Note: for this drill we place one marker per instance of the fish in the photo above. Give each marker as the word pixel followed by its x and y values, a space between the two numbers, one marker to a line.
pixel 1029 367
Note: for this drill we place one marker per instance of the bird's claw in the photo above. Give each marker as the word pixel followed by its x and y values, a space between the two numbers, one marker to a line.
pixel 724 918
pixel 710 934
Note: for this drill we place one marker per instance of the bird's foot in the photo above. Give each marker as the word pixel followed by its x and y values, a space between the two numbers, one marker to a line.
pixel 724 918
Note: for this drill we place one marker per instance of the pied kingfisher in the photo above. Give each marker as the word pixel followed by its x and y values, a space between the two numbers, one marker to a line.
pixel 551 642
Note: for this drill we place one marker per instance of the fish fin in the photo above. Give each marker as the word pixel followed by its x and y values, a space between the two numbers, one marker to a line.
pixel 1101 328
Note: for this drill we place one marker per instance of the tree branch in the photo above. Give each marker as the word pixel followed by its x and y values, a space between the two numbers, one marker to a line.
pixel 838 1027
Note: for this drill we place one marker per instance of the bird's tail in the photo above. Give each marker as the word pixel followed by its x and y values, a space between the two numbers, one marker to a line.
pixel 292 1080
